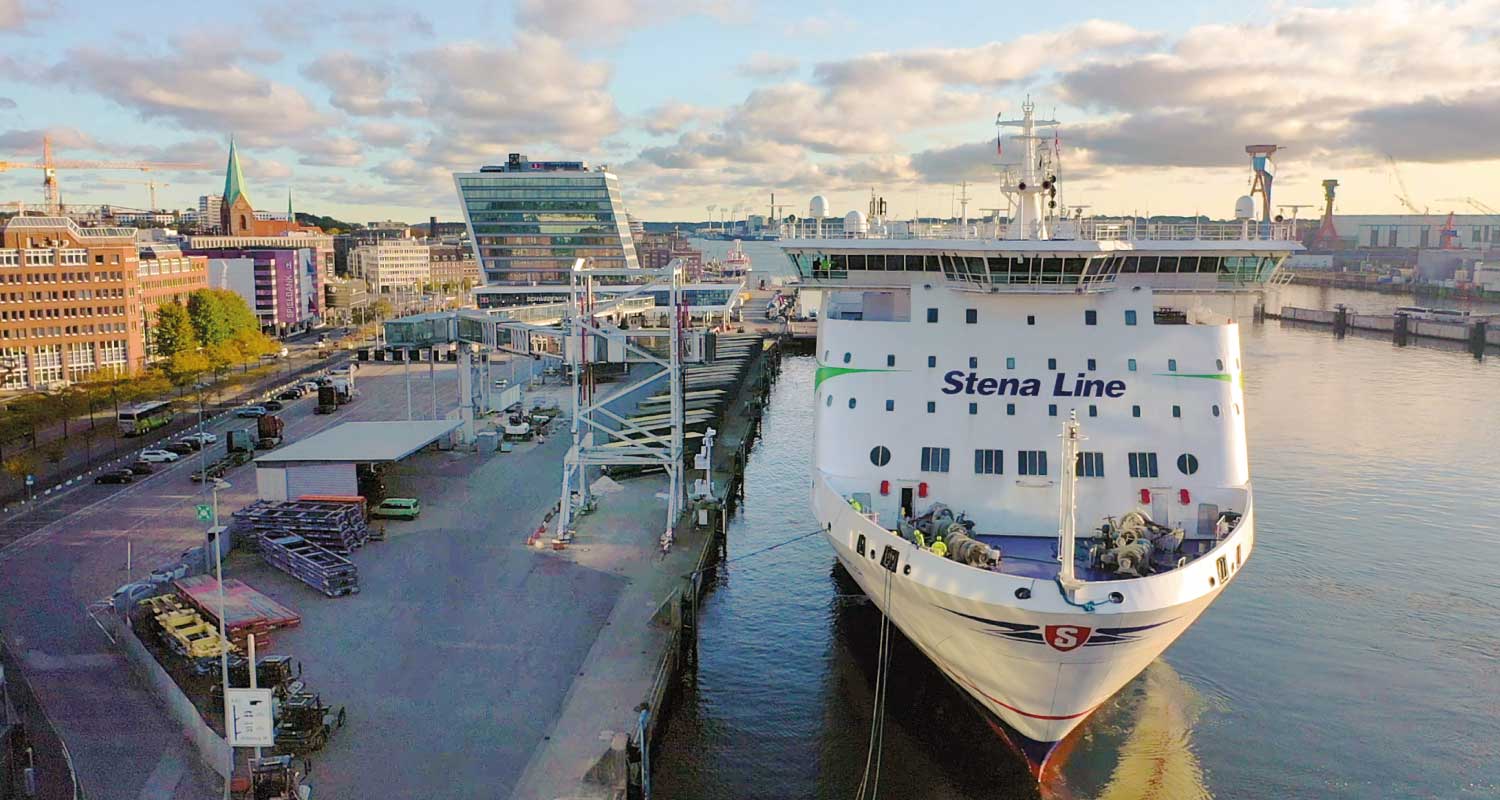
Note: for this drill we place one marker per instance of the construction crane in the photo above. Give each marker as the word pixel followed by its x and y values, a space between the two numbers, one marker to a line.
pixel 1477 206
pixel 1295 207
pixel 151 186
pixel 1404 196
pixel 50 166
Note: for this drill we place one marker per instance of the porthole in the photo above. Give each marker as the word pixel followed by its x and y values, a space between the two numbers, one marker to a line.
pixel 846 358
pixel 1216 410
pixel 880 455
pixel 1187 463
pixel 1219 364
pixel 1023 593
pixel 1116 598
pixel 829 401
pixel 851 402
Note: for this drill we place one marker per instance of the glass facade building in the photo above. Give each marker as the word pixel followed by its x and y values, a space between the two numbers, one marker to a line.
pixel 529 220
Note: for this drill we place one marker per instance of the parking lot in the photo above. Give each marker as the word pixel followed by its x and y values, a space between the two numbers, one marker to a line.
pixel 75 552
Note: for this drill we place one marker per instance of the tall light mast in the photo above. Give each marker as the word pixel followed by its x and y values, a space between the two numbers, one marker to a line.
pixel 1029 221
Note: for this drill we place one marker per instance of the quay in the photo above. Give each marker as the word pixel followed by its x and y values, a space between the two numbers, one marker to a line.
pixel 1475 334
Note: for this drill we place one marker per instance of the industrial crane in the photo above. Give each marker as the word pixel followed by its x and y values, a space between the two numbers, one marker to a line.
pixel 1404 196
pixel 49 168
pixel 1477 206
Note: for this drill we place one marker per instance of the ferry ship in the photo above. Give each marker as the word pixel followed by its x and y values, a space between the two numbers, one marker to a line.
pixel 1030 436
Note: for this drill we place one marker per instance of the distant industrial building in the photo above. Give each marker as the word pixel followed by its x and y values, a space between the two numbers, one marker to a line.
pixel 391 266
pixel 1417 230
pixel 658 249
pixel 528 221
pixel 69 302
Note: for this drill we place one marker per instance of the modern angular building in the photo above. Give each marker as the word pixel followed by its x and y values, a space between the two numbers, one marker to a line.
pixel 529 220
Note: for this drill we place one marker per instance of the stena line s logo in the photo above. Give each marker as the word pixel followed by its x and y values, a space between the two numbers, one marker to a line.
pixel 1063 638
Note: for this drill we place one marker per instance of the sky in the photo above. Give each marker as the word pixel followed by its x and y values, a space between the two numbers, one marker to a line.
pixel 364 110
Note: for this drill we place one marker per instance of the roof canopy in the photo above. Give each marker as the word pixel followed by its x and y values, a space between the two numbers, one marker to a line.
pixel 361 442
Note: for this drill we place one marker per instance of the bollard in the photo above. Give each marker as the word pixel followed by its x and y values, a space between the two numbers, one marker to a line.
pixel 1398 330
pixel 1477 338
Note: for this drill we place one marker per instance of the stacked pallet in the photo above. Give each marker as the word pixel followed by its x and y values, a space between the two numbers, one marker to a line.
pixel 329 573
pixel 246 611
pixel 335 525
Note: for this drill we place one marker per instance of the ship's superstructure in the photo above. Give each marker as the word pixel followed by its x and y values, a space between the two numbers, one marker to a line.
pixel 986 404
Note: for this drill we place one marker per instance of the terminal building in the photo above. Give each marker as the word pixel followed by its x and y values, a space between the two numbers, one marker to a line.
pixel 528 221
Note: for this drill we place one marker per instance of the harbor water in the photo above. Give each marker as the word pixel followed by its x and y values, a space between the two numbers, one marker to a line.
pixel 1358 656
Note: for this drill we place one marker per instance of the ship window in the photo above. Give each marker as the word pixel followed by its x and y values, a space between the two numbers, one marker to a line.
pixel 932 361
pixel 1177 412
pixel 1010 362
pixel 1051 409
pixel 890 405
pixel 1130 364
pixel 1051 363
pixel 1236 409
pixel 934 459
pixel 1143 465
pixel 931 407
pixel 1093 364
pixel 1010 409
pixel 1171 365
pixel 1130 264
pixel 931 264
pixel 1031 462
pixel 856 263
pixel 1135 411
pixel 973 362
pixel 989 462
pixel 1090 465
pixel 1219 364
pixel 1090 317
pixel 1148 264
pixel 932 315
pixel 1093 411
pixel 973 408
pixel 846 358
pixel 971 315
pixel 1030 319
pixel 880 456
pixel 829 401
pixel 851 402
pixel 1129 316
pixel 890 360
pixel 1216 410
pixel 1187 463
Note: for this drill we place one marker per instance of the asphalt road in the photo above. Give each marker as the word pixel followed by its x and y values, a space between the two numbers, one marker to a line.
pixel 123 745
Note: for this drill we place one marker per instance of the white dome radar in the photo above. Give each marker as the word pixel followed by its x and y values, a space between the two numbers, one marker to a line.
pixel 854 222
pixel 818 208
pixel 1244 208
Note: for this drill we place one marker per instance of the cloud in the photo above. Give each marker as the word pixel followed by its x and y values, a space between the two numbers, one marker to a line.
pixel 482 97
pixel 385 134
pixel 28 143
pixel 1433 129
pixel 7 104
pixel 194 89
pixel 819 25
pixel 15 15
pixel 768 65
pixel 608 20
pixel 360 86
pixel 369 24
pixel 674 115
pixel 336 151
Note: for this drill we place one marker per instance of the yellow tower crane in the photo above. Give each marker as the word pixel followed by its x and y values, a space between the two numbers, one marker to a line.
pixel 50 166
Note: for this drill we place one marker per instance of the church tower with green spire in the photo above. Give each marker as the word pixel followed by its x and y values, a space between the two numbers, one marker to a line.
pixel 237 216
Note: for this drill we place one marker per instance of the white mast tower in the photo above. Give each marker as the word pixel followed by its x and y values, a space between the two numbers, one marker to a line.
pixel 1032 186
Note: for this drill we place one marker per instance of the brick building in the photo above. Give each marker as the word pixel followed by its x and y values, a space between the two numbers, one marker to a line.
pixel 69 302
pixel 453 265
pixel 166 275
pixel 657 250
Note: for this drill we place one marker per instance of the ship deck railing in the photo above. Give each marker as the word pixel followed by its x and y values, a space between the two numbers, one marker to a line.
pixel 1091 229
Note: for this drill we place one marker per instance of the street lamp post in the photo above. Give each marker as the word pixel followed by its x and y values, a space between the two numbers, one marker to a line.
pixel 218 534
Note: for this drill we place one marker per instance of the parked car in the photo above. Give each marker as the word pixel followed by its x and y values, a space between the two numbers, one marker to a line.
pixel 250 411
pixel 272 405
pixel 115 476
pixel 156 455
pixel 183 448
pixel 142 468
pixel 202 437
pixel 398 508
pixel 293 393
pixel 502 383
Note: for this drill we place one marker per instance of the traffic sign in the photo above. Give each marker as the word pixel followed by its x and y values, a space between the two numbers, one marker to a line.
pixel 205 513
pixel 30 479
pixel 250 723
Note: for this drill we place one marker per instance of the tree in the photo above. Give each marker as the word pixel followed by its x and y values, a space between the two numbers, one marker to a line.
pixel 218 314
pixel 382 308
pixel 185 366
pixel 174 330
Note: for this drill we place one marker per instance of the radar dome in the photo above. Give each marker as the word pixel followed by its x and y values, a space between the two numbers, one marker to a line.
pixel 1244 208
pixel 818 208
pixel 854 222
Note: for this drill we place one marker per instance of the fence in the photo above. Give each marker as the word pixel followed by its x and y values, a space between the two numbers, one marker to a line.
pixel 54 766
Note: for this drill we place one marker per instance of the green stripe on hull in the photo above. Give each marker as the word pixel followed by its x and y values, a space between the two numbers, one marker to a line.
pixel 1213 376
pixel 824 373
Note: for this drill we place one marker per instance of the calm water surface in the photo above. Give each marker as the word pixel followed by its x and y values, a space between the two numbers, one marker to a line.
pixel 1357 657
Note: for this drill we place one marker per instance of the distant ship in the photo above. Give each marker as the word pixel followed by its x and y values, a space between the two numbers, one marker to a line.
pixel 734 266
pixel 1030 450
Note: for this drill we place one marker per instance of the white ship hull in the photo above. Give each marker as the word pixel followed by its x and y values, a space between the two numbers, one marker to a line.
pixel 1039 665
